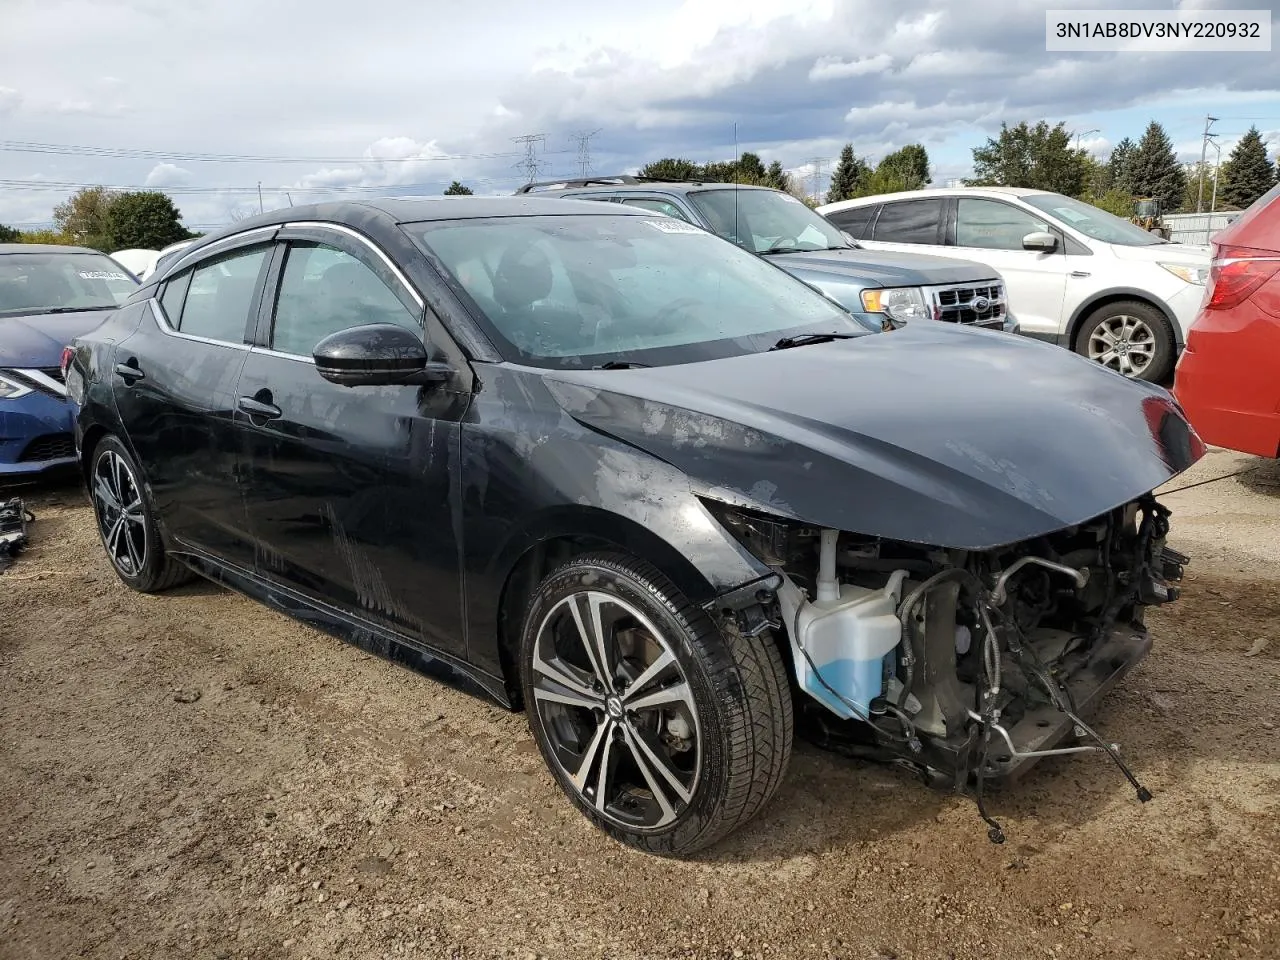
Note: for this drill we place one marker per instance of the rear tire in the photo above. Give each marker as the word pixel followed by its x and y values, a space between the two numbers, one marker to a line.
pixel 126 523
pixel 682 736
pixel 1130 337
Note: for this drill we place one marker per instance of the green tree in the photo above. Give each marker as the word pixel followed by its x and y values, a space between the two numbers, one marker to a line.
pixel 750 169
pixel 1039 157
pixel 458 189
pixel 909 164
pixel 1154 169
pixel 777 178
pixel 884 180
pixel 146 219
pixel 46 236
pixel 1119 166
pixel 9 234
pixel 672 168
pixel 1113 201
pixel 1247 173
pixel 84 217
pixel 849 175
pixel 1191 191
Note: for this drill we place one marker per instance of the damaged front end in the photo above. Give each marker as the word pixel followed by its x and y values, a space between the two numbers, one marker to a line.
pixel 964 665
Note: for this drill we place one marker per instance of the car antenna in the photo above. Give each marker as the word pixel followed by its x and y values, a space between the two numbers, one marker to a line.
pixel 737 172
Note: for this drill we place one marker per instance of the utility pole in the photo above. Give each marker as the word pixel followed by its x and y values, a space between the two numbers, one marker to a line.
pixel 530 163
pixel 1085 134
pixel 1204 149
pixel 259 196
pixel 584 150
pixel 817 163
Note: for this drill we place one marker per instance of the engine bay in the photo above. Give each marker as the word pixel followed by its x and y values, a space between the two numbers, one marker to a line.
pixel 965 666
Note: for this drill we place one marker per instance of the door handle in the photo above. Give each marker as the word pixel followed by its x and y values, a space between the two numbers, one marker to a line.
pixel 257 410
pixel 129 373
pixel 1080 274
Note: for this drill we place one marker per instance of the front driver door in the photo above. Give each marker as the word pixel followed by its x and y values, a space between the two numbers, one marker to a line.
pixel 991 232
pixel 349 490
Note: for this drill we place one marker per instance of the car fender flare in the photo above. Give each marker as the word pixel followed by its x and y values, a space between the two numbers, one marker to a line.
pixel 1121 293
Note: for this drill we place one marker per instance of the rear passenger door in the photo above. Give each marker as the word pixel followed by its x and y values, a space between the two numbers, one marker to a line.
pixel 174 382
pixel 909 226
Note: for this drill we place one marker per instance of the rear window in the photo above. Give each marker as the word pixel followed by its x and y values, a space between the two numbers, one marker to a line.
pixel 854 220
pixel 1258 226
pixel 33 283
pixel 909 221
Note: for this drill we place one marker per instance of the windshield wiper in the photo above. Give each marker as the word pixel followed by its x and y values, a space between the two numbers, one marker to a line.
pixel 804 339
pixel 781 248
pixel 48 310
pixel 620 365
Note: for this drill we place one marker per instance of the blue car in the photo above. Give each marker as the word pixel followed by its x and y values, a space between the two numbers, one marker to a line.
pixel 49 295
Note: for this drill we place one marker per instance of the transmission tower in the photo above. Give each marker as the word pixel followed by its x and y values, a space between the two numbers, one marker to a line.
pixel 584 150
pixel 818 163
pixel 530 163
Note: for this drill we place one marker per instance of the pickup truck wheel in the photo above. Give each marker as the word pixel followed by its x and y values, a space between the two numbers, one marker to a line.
pixel 1130 337
pixel 666 731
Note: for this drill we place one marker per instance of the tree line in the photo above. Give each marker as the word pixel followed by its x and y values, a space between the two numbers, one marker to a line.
pixel 110 220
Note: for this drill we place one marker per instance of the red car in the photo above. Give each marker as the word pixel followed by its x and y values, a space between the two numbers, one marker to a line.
pixel 1228 378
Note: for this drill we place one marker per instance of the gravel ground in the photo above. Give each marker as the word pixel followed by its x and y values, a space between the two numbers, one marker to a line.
pixel 193 775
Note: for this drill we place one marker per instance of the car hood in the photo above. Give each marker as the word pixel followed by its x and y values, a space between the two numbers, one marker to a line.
pixel 1184 253
pixel 930 434
pixel 882 268
pixel 37 340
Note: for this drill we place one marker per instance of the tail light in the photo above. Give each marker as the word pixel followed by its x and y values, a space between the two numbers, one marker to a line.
pixel 1236 272
pixel 68 354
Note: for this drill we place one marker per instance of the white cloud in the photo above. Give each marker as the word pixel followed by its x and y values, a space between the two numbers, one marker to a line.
pixel 10 100
pixel 834 68
pixel 167 175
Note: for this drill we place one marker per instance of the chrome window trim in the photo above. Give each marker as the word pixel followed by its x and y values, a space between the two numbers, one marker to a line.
pixel 162 322
pixel 267 351
pixel 213 248
pixel 356 235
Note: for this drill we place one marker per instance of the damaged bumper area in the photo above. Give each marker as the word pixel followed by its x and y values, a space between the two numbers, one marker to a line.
pixel 966 666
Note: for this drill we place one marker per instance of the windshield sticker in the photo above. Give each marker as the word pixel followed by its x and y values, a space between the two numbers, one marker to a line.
pixel 1071 216
pixel 671 225
pixel 101 275
pixel 788 197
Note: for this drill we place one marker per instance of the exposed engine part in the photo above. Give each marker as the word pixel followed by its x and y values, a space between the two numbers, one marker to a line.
pixel 998 595
pixel 14 517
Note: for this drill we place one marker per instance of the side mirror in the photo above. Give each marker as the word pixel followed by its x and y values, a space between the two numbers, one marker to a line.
pixel 1040 242
pixel 376 354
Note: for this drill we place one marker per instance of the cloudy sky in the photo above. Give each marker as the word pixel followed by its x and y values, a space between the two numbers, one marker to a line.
pixel 318 98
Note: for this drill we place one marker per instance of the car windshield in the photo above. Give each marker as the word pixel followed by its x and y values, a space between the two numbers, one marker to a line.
pixel 61 282
pixel 1091 221
pixel 766 221
pixel 581 291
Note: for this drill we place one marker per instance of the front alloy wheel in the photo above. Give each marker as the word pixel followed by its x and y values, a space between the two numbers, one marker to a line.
pixel 1131 338
pixel 666 730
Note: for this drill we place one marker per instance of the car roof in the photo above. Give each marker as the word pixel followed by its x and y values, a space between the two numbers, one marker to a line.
pixel 935 192
pixel 632 185
pixel 44 248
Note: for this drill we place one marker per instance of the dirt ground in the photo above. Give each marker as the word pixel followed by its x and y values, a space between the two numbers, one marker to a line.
pixel 193 775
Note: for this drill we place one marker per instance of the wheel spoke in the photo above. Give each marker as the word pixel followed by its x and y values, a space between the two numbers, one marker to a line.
pixel 1106 336
pixel 602 778
pixel 644 764
pixel 676 693
pixel 551 692
pixel 651 673
pixel 583 773
pixel 560 675
pixel 132 548
pixel 113 537
pixel 120 475
pixel 591 631
pixel 102 489
pixel 664 768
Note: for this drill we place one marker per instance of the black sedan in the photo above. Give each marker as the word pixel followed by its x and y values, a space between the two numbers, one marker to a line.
pixel 608 468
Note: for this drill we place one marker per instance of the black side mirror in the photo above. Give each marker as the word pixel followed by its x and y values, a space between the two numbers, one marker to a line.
pixel 376 354
pixel 1040 242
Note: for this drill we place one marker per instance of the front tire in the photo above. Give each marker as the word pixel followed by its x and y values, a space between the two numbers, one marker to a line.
pixel 667 732
pixel 1130 337
pixel 126 524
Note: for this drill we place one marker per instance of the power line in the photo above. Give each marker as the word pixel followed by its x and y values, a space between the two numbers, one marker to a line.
pixel 50 186
pixel 530 163
pixel 139 153
pixel 1204 149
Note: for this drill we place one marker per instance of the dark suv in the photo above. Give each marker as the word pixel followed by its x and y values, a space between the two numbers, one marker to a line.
pixel 872 283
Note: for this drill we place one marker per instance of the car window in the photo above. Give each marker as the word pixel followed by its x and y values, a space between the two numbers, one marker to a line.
pixel 573 291
pixel 765 221
pixel 175 291
pixel 221 293
pixel 994 225
pixel 324 290
pixel 658 206
pixel 909 221
pixel 1091 221
pixel 854 220
pixel 32 283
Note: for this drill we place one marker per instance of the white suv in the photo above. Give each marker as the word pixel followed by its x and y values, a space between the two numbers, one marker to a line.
pixel 1075 275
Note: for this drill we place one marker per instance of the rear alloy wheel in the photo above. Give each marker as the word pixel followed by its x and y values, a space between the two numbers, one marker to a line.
pixel 1131 338
pixel 125 524
pixel 665 731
